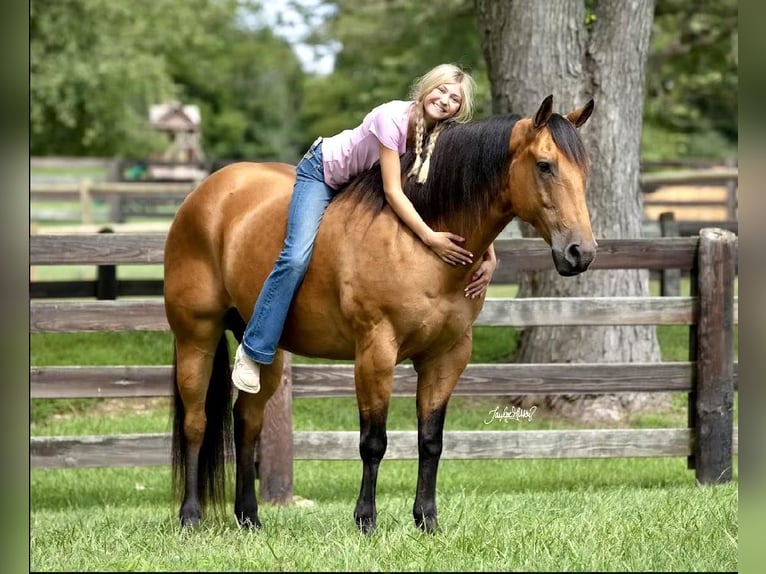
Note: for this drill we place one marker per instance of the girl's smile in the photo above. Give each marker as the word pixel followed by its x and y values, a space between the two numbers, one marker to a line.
pixel 442 103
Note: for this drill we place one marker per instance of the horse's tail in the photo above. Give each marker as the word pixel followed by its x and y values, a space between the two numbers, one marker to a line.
pixel 217 442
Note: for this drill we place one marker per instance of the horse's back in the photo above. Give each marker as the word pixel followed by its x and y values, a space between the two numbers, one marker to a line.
pixel 230 194
pixel 222 232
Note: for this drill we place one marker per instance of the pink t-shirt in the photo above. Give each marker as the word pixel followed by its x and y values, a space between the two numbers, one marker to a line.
pixel 350 152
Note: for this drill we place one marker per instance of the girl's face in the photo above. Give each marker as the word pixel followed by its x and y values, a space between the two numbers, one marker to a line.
pixel 442 103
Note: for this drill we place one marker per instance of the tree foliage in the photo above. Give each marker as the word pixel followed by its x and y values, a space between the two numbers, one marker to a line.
pixel 95 69
pixel 384 47
pixel 691 95
pixel 97 66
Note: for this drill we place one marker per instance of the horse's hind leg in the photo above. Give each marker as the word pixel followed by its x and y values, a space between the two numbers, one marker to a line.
pixel 374 379
pixel 437 377
pixel 197 352
pixel 248 422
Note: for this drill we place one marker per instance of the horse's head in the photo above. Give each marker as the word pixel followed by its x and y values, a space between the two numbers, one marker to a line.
pixel 547 184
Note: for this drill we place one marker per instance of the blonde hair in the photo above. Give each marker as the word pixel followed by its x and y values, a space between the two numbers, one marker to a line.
pixel 442 74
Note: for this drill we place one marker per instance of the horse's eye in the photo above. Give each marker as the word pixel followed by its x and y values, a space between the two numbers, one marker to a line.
pixel 544 167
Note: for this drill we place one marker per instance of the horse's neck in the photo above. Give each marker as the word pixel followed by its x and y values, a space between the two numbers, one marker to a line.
pixel 478 240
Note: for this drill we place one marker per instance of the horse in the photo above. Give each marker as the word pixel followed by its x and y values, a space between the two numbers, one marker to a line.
pixel 373 292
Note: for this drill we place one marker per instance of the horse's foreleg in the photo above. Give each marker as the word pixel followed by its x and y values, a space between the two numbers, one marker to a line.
pixel 374 378
pixel 248 422
pixel 437 377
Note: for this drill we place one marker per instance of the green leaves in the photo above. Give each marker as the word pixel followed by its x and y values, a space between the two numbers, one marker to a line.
pixel 98 65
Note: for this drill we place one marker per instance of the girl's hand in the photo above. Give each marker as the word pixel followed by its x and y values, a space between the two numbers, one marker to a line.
pixel 446 245
pixel 481 278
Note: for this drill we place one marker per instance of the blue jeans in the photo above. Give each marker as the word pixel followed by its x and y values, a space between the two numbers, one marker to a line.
pixel 311 195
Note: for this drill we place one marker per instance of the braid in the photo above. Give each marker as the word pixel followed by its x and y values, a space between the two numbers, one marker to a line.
pixel 420 128
pixel 423 171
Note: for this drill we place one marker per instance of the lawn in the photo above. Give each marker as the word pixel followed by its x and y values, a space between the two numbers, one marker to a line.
pixel 615 515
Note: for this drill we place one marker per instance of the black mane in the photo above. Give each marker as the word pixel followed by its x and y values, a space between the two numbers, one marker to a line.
pixel 468 169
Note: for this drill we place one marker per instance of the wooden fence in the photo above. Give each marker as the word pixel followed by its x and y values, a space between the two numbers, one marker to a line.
pixel 123 199
pixel 710 375
pixel 720 177
pixel 161 199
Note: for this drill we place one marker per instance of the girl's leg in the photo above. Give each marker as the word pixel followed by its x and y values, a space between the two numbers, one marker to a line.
pixel 307 206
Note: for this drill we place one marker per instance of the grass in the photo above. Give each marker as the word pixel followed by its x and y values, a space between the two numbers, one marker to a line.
pixel 495 515
pixel 68 172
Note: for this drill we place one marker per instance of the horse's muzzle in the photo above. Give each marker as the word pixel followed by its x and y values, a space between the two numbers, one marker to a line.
pixel 573 259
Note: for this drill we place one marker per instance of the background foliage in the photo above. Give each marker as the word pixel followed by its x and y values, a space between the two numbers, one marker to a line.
pixel 97 66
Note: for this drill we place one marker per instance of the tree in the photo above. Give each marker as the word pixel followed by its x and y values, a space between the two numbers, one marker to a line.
pixel 98 65
pixel 249 85
pixel 534 49
pixel 691 88
pixel 383 45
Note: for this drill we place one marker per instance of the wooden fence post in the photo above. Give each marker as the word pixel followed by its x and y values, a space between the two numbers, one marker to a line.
pixel 106 277
pixel 86 201
pixel 670 279
pixel 714 389
pixel 731 199
pixel 275 447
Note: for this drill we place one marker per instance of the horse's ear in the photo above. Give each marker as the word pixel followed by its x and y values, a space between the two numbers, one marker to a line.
pixel 581 115
pixel 544 113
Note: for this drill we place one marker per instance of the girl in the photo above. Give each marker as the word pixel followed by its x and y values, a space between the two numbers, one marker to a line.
pixel 444 94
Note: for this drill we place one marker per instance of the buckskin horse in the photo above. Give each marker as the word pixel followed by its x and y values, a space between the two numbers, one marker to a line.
pixel 373 292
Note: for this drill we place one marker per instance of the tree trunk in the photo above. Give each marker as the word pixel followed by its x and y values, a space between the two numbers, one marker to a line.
pixel 537 48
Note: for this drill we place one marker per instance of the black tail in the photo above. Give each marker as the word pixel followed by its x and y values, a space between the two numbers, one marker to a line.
pixel 217 443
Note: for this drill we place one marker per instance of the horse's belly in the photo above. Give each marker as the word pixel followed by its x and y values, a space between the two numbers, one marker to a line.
pixel 315 329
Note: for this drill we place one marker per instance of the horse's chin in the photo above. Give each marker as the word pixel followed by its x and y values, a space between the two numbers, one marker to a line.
pixel 569 273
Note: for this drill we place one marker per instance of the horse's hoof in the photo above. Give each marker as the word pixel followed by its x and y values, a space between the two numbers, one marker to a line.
pixel 249 522
pixel 366 524
pixel 427 524
pixel 190 517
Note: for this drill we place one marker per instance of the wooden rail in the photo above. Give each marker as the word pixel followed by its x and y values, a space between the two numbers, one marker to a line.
pixel 154 449
pixel 123 198
pixel 710 376
pixel 162 198
pixel 723 177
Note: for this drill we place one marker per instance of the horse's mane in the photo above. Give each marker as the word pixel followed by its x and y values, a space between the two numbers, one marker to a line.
pixel 468 169
pixel 567 139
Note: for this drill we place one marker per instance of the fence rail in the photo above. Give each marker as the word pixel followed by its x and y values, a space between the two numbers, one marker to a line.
pixel 154 449
pixel 337 380
pixel 710 376
pixel 161 199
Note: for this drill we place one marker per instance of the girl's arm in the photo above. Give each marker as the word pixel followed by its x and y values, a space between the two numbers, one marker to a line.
pixel 443 243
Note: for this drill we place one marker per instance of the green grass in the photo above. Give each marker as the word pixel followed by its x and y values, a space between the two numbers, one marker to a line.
pixel 94 172
pixel 614 515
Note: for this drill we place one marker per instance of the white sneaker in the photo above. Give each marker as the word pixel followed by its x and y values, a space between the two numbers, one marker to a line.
pixel 246 373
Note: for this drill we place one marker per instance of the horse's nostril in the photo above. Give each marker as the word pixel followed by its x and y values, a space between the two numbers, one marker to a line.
pixel 574 253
